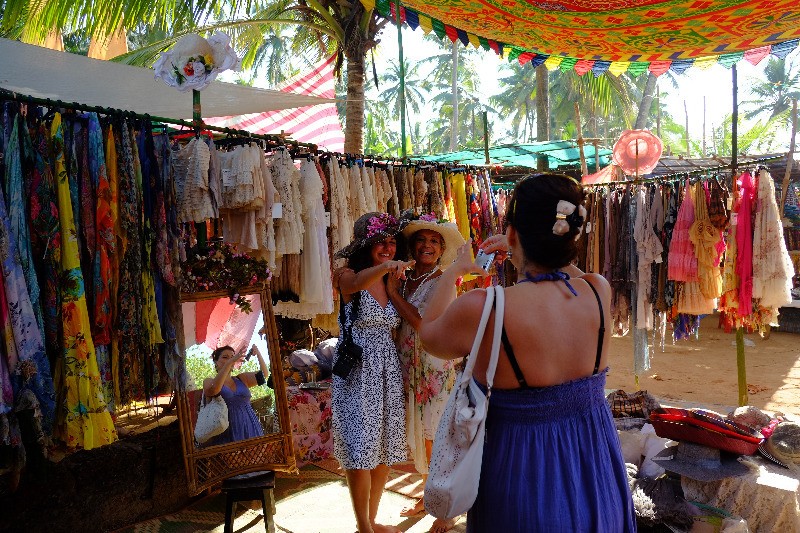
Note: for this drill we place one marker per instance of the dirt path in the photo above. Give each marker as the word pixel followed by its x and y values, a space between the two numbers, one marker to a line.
pixel 704 370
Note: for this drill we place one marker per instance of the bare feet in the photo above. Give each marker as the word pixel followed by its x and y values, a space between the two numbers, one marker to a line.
pixel 442 525
pixel 380 528
pixel 418 507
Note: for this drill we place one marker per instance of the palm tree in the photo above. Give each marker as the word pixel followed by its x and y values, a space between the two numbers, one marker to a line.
pixel 344 26
pixel 774 95
pixel 517 100
pixel 415 91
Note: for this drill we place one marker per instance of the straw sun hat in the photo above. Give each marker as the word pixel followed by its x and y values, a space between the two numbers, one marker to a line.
pixel 451 236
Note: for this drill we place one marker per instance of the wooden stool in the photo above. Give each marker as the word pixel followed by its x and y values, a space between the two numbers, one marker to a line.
pixel 250 488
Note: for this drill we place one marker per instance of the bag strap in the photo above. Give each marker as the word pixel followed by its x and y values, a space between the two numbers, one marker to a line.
pixel 347 319
pixel 500 305
pixel 466 375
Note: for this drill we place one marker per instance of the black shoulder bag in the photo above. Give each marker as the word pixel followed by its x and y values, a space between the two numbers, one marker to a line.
pixel 348 353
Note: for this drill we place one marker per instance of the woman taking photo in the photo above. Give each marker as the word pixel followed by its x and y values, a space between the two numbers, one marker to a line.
pixel 243 422
pixel 367 405
pixel 427 379
pixel 551 459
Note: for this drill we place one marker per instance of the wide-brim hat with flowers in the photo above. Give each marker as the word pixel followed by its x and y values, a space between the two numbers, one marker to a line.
pixel 451 236
pixel 370 229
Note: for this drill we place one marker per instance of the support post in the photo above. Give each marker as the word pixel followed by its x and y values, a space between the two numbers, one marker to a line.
pixel 486 136
pixel 789 157
pixel 197 120
pixel 397 9
pixel 584 169
pixel 741 368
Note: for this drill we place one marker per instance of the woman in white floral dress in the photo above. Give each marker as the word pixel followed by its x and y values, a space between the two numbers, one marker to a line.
pixel 427 380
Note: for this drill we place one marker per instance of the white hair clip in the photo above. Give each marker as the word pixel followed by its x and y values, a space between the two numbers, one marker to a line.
pixel 567 216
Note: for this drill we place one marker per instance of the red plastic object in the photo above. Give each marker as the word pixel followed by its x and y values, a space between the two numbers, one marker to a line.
pixel 701 435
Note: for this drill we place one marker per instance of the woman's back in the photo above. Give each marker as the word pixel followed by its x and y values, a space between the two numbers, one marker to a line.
pixel 551 460
pixel 553 332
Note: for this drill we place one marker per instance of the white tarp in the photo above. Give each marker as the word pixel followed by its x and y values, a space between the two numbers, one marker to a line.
pixel 43 73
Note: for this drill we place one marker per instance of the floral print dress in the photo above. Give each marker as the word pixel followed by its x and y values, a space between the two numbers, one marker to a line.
pixel 82 419
pixel 427 381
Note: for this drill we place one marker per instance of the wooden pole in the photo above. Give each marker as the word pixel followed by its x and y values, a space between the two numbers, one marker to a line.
pixel 789 157
pixel 197 120
pixel 741 369
pixel 596 144
pixel 584 168
pixel 403 151
pixel 686 115
pixel 486 136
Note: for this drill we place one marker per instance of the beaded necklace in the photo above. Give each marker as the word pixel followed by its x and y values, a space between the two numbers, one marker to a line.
pixel 549 276
pixel 422 277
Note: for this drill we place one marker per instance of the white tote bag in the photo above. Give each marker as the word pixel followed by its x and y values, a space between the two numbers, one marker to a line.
pixel 457 455
pixel 212 419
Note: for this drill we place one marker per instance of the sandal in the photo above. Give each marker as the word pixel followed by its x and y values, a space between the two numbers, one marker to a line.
pixel 413 510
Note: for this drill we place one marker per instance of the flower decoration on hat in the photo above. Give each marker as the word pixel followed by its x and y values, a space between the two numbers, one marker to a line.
pixel 380 224
pixel 194 62
pixel 568 216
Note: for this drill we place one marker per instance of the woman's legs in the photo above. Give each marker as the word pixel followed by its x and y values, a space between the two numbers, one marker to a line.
pixel 359 482
pixel 366 488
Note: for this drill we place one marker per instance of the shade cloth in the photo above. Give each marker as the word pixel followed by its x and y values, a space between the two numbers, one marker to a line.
pixel 42 73
pixel 613 36
pixel 560 155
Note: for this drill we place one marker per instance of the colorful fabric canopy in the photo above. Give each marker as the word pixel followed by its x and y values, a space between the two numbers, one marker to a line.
pixel 611 36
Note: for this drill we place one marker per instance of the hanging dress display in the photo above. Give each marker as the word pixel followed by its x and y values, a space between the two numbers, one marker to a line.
pixel 83 420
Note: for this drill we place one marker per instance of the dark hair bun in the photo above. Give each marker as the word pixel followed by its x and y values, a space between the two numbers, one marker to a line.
pixel 532 212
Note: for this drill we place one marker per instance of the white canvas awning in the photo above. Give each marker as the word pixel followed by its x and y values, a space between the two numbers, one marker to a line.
pixel 43 73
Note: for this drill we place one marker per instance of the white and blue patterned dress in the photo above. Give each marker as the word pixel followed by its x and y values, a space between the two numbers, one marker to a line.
pixel 368 406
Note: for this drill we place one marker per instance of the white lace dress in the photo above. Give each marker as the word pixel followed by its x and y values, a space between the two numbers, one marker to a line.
pixel 772 266
pixel 190 167
pixel 316 291
pixel 289 228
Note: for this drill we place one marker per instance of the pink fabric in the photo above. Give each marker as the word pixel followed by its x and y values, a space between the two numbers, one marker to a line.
pixel 238 329
pixel 203 311
pixel 744 244
pixel 682 261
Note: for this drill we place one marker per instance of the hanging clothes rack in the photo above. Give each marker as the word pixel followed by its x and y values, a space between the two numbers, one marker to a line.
pixel 273 139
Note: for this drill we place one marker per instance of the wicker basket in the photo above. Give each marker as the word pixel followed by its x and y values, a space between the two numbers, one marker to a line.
pixel 682 431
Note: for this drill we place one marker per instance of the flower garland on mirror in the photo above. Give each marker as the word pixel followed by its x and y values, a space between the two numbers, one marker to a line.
pixel 222 268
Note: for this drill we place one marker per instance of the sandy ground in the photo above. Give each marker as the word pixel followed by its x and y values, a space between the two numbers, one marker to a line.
pixel 703 370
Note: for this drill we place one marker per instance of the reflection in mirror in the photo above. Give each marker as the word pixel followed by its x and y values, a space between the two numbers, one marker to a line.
pixel 231 347
pixel 227 355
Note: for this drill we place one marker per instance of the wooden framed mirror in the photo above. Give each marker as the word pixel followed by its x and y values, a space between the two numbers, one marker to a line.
pixel 213 319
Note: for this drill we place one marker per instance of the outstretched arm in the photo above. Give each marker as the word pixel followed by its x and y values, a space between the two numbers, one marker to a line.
pixel 350 282
pixel 251 379
pixel 449 324
pixel 213 386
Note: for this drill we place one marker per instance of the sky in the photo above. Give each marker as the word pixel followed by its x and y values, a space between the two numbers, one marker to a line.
pixel 715 84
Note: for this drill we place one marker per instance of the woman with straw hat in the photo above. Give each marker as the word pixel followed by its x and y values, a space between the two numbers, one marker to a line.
pixel 367 405
pixel 427 379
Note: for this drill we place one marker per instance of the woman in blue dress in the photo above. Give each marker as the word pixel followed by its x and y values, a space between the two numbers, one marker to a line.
pixel 552 459
pixel 243 422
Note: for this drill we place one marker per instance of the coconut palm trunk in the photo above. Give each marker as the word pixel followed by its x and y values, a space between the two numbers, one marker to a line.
pixel 454 96
pixel 542 111
pixel 354 114
pixel 642 118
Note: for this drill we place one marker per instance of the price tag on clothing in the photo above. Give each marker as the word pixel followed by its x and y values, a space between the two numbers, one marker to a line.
pixel 277 210
pixel 327 219
pixel 227 177
pixel 730 203
pixel 588 227
pixel 734 219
